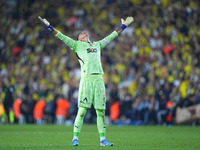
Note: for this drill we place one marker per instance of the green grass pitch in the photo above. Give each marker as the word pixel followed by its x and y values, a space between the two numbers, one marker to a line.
pixel 52 137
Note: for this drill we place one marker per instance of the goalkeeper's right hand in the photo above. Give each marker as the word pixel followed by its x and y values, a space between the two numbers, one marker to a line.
pixel 46 23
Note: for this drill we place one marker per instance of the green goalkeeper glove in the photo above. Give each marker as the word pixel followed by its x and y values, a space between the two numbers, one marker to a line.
pixel 126 22
pixel 46 23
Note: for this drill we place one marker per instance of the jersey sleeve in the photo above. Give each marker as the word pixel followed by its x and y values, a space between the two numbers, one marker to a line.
pixel 67 40
pixel 108 39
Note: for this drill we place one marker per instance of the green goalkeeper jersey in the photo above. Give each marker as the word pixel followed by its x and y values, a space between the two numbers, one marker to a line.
pixel 88 53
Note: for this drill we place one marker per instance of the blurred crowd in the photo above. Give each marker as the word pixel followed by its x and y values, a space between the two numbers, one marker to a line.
pixel 152 68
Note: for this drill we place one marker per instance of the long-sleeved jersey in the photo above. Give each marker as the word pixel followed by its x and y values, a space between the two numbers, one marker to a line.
pixel 88 53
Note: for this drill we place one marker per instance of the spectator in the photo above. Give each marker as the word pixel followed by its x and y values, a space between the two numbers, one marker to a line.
pixel 26 108
pixel 38 111
pixel 8 91
pixel 62 110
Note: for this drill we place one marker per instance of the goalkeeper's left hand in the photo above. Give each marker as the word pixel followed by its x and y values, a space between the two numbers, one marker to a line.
pixel 128 21
pixel 125 23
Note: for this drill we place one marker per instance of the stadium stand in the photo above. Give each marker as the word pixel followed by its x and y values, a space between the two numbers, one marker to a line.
pixel 155 61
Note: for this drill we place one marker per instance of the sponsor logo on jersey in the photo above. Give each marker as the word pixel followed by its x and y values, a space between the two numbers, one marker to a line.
pixel 84 101
pixel 91 50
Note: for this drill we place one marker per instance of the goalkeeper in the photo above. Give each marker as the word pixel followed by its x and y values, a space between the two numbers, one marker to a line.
pixel 91 88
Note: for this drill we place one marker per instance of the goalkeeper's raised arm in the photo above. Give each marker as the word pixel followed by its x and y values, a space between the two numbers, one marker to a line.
pixel 114 34
pixel 47 24
pixel 67 40
pixel 84 36
pixel 125 23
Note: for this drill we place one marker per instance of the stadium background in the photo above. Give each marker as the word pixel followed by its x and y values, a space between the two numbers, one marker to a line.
pixel 150 69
